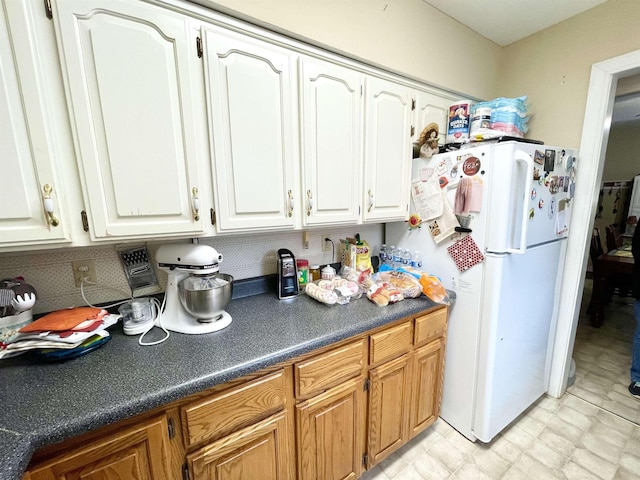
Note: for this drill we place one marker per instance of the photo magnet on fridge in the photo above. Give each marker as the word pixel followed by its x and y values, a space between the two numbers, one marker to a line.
pixel 549 160
pixel 538 157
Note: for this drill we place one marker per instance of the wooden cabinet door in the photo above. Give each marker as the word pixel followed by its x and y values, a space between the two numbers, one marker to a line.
pixel 331 430
pixel 131 94
pixel 251 96
pixel 27 146
pixel 262 451
pixel 426 395
pixel 431 108
pixel 140 452
pixel 388 150
pixel 332 141
pixel 388 408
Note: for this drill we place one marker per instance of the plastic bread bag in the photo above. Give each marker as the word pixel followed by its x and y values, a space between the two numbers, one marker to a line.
pixel 363 279
pixel 337 290
pixel 406 283
pixel 382 294
pixel 433 288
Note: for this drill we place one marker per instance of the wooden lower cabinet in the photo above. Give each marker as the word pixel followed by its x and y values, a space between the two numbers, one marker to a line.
pixel 259 451
pixel 140 452
pixel 330 433
pixel 388 408
pixel 326 415
pixel 426 395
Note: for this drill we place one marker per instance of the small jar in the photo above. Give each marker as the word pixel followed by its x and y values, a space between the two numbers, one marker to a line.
pixel 314 273
pixel 303 271
pixel 328 273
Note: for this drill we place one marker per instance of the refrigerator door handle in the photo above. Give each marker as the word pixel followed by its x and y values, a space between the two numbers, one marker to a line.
pixel 523 158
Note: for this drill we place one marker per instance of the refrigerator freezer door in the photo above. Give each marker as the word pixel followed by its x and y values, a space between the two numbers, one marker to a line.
pixel 517 328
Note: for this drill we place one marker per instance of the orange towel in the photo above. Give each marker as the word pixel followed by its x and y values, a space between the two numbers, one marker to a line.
pixel 62 320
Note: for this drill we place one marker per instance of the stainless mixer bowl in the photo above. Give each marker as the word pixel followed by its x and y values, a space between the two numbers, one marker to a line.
pixel 206 304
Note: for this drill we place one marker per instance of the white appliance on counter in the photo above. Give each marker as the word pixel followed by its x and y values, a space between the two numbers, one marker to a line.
pixel 502 323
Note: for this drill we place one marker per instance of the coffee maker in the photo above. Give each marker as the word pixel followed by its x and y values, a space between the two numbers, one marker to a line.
pixel 287 274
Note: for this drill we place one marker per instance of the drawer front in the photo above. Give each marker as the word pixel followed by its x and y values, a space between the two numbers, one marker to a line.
pixel 430 326
pixel 329 369
pixel 390 343
pixel 239 406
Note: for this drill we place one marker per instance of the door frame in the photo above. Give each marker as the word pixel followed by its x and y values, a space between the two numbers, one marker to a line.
pixel 593 147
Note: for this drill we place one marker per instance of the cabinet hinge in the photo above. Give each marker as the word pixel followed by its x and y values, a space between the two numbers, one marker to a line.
pixel 413 130
pixel 212 213
pixel 85 220
pixel 366 385
pixel 365 460
pixel 185 472
pixel 413 104
pixel 199 46
pixel 47 9
pixel 361 90
pixel 171 428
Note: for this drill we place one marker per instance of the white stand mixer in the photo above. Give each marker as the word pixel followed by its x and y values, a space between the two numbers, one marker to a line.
pixel 182 261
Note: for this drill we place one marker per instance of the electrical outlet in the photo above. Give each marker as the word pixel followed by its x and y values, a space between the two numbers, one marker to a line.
pixel 326 244
pixel 84 269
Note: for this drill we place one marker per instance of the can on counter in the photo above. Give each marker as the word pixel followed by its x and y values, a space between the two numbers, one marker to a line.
pixel 303 271
pixel 458 122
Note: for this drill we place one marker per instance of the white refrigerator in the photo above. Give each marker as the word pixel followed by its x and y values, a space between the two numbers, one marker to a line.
pixel 516 209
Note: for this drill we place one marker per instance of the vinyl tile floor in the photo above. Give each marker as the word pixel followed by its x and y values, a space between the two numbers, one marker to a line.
pixel 592 432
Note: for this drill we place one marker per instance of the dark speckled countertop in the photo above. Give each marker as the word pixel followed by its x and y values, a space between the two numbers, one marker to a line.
pixel 44 403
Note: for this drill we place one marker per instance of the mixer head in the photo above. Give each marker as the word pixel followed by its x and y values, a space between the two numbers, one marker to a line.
pixel 194 258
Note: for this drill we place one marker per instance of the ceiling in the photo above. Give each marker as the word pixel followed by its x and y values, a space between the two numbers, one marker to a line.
pixel 506 21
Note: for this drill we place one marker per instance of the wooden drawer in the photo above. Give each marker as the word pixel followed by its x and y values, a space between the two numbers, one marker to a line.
pixel 224 412
pixel 390 343
pixel 331 368
pixel 430 326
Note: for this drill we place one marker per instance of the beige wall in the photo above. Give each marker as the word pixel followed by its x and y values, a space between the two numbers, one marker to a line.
pixel 553 67
pixel 623 152
pixel 405 36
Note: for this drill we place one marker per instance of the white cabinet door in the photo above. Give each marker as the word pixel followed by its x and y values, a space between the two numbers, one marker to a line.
pixel 332 140
pixel 27 161
pixel 252 99
pixel 129 81
pixel 387 161
pixel 431 108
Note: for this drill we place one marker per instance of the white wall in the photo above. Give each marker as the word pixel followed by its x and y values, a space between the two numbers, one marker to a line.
pixel 406 36
pixel 553 67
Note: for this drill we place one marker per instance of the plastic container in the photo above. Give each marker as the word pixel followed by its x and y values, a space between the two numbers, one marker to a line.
pixel 303 271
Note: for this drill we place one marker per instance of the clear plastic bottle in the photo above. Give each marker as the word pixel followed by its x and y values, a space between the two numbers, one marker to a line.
pixel 416 260
pixel 406 258
pixel 383 254
pixel 397 257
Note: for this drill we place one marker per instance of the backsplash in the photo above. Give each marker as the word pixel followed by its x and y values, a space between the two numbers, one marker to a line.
pixel 245 256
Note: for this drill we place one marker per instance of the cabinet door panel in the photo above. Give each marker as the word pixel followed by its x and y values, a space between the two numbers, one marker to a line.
pixel 138 453
pixel 130 85
pixel 332 142
pixel 26 152
pixel 431 108
pixel 387 151
pixel 331 434
pixel 260 451
pixel 251 95
pixel 388 408
pixel 428 372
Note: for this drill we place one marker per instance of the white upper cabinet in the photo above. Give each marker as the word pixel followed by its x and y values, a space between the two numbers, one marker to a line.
pixel 388 150
pixel 431 108
pixel 251 95
pixel 332 142
pixel 130 83
pixel 30 182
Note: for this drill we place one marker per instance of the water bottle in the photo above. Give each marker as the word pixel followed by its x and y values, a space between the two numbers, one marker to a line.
pixel 406 258
pixel 416 260
pixel 396 259
pixel 383 254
